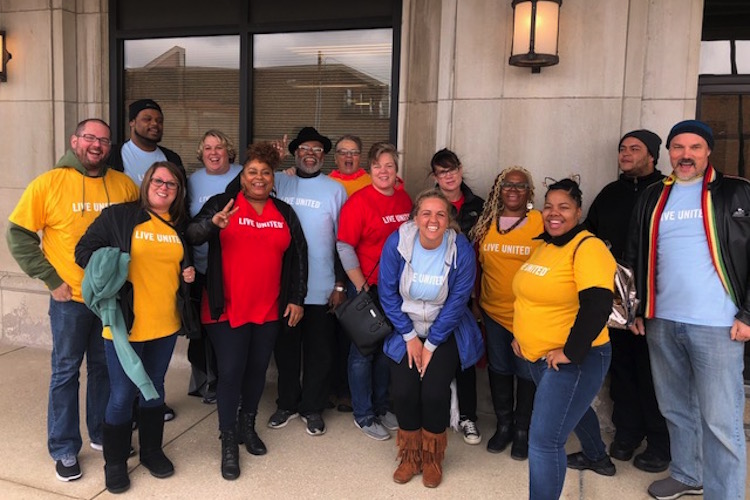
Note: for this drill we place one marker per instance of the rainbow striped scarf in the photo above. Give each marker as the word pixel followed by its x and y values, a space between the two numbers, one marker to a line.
pixel 712 238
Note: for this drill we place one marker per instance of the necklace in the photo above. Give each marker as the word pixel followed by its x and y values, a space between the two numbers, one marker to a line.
pixel 511 228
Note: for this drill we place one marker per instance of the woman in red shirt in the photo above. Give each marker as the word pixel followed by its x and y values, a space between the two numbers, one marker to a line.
pixel 367 218
pixel 256 285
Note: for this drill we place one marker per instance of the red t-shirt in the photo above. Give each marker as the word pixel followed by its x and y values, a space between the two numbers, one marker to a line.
pixel 252 250
pixel 366 221
pixel 459 203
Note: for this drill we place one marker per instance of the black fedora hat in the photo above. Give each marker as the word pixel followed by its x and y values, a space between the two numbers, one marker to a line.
pixel 309 134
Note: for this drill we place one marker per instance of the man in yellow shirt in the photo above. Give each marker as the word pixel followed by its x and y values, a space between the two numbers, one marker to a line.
pixel 62 203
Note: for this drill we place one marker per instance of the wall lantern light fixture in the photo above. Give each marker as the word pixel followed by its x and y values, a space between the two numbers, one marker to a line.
pixel 5 56
pixel 536 26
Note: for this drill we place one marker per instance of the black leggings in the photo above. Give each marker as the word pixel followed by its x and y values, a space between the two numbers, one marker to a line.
pixel 425 403
pixel 242 356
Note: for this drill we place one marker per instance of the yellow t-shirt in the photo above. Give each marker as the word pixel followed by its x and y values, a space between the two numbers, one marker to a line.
pixel 546 288
pixel 353 185
pixel 500 256
pixel 62 203
pixel 155 255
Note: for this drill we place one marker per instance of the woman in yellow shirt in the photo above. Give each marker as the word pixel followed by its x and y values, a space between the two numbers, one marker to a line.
pixel 504 235
pixel 563 299
pixel 150 231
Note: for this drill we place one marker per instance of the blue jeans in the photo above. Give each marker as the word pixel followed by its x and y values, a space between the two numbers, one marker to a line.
pixel 155 356
pixel 562 404
pixel 502 359
pixel 698 380
pixel 368 383
pixel 75 331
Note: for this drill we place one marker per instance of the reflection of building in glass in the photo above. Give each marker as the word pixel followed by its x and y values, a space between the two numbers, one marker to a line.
pixel 193 100
pixel 335 98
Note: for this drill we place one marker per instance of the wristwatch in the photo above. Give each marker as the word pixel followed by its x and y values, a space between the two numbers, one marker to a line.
pixel 339 288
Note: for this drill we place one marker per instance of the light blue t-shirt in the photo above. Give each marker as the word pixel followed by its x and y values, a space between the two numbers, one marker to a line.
pixel 429 270
pixel 202 186
pixel 688 290
pixel 317 202
pixel 136 161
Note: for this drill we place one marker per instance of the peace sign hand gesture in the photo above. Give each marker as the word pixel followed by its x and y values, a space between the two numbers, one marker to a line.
pixel 221 219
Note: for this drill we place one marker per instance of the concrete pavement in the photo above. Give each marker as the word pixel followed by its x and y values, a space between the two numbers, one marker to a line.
pixel 343 463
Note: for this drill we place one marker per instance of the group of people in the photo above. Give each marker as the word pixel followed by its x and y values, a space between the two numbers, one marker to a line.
pixel 249 261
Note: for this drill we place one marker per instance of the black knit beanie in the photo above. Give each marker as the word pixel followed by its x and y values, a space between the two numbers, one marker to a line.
pixel 650 139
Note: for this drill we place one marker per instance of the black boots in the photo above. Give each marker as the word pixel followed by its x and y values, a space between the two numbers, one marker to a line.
pixel 230 455
pixel 150 436
pixel 525 392
pixel 247 435
pixel 116 444
pixel 501 388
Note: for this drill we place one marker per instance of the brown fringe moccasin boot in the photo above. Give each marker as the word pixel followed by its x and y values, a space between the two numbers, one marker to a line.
pixel 410 453
pixel 433 452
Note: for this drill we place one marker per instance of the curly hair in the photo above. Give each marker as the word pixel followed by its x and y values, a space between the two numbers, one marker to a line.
pixel 494 207
pixel 264 152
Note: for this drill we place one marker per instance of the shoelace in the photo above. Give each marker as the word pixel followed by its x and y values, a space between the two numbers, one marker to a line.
pixel 470 427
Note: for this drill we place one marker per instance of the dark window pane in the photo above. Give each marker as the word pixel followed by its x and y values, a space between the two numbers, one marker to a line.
pixel 196 82
pixel 336 81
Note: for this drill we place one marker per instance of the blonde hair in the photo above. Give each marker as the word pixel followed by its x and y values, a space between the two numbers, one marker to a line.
pixel 224 140
pixel 493 207
pixel 436 193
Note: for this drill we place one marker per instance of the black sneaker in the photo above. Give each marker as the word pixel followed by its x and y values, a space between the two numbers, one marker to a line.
pixel 579 461
pixel 67 472
pixel 281 417
pixel 169 413
pixel 315 424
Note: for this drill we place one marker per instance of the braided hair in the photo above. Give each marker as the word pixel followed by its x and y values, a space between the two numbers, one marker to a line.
pixel 493 207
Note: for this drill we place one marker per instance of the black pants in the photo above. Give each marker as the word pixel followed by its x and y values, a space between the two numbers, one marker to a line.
pixel 242 355
pixel 466 387
pixel 200 352
pixel 312 343
pixel 425 403
pixel 635 413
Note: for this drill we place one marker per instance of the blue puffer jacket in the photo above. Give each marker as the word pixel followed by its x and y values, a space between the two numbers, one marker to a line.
pixel 454 316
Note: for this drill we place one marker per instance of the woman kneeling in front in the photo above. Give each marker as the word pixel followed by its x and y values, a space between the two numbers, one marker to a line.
pixel 427 273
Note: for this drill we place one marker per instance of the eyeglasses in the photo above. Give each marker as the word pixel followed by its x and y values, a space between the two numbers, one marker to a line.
pixel 441 174
pixel 347 152
pixel 92 138
pixel 518 186
pixel 310 149
pixel 157 183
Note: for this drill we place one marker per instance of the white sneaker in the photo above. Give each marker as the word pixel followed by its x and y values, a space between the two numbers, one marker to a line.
pixel 471 431
pixel 96 446
pixel 374 431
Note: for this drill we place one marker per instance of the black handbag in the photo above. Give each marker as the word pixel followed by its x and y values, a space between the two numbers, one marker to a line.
pixel 364 321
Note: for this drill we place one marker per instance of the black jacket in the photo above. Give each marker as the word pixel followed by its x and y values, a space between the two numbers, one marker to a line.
pixel 470 210
pixel 294 261
pixel 609 214
pixel 114 228
pixel 731 206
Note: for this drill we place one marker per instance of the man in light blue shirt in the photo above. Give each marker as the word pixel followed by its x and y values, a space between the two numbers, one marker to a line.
pixel 317 200
pixel 688 246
